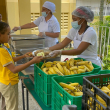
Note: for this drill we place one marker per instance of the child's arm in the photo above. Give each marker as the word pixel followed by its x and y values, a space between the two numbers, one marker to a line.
pixel 19 68
pixel 15 59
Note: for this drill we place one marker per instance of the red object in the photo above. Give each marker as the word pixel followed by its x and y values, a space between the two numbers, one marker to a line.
pixel 66 59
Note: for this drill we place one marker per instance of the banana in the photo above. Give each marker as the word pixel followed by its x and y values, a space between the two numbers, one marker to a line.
pixel 52 70
pixel 78 93
pixel 43 66
pixel 64 85
pixel 72 72
pixel 65 70
pixel 81 67
pixel 60 68
pixel 71 61
pixel 48 65
pixel 55 62
pixel 57 71
pixel 105 88
pixel 45 70
pixel 49 72
pixel 83 63
pixel 72 94
pixel 81 71
pixel 108 86
pixel 90 66
pixel 87 69
pixel 68 64
pixel 62 63
pixel 75 71
pixel 74 68
pixel 74 84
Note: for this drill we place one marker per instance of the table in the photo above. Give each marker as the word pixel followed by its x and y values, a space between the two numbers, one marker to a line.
pixel 27 83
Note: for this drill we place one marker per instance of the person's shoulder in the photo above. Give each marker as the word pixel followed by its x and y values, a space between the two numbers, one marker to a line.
pixel 40 18
pixel 53 19
pixel 72 30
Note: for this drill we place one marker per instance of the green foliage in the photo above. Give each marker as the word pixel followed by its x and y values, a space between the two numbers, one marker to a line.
pixel 106 60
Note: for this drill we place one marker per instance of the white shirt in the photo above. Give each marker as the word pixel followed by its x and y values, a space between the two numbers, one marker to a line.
pixel 53 24
pixel 89 36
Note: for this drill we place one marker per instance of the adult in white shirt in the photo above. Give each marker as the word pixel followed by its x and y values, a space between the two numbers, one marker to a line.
pixel 83 36
pixel 47 23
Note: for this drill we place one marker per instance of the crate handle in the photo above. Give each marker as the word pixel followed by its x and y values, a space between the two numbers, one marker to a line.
pixel 39 74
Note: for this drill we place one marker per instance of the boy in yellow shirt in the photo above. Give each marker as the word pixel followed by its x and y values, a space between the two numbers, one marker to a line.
pixel 8 71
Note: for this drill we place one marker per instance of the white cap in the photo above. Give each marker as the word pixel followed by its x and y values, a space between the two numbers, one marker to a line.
pixel 50 6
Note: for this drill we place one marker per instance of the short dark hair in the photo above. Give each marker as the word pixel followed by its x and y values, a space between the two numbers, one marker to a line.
pixel 3 27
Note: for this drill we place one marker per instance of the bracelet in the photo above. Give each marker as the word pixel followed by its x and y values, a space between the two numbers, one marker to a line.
pixel 19 28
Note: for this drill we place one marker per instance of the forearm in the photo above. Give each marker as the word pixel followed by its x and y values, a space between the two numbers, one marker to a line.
pixel 71 52
pixel 57 47
pixel 19 68
pixel 53 35
pixel 27 26
pixel 15 59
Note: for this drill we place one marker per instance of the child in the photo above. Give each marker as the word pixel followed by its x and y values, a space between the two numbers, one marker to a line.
pixel 8 71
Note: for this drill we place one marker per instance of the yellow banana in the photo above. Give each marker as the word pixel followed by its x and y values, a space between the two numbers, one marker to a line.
pixel 55 62
pixel 62 63
pixel 75 71
pixel 52 70
pixel 108 86
pixel 65 70
pixel 45 70
pixel 60 68
pixel 74 68
pixel 87 69
pixel 74 84
pixel 90 66
pixel 81 67
pixel 49 62
pixel 49 72
pixel 72 72
pixel 67 64
pixel 64 85
pixel 48 65
pixel 81 71
pixel 83 63
pixel 78 93
pixel 57 71
pixel 71 61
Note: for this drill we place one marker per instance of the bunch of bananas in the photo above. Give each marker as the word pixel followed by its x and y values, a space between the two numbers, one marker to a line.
pixel 69 67
pixel 105 89
pixel 73 89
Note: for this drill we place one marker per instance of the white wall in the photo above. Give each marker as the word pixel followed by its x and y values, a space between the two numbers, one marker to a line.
pixel 94 5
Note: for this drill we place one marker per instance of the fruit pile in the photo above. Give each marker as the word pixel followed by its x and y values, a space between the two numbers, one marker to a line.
pixel 73 89
pixel 69 67
pixel 91 101
pixel 42 53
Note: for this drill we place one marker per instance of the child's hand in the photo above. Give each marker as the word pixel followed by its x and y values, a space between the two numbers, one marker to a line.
pixel 37 59
pixel 28 54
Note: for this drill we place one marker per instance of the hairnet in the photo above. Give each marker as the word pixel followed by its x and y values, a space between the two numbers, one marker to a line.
pixel 84 12
pixel 50 6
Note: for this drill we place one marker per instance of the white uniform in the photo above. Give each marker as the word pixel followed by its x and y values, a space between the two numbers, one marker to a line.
pixel 89 36
pixel 52 25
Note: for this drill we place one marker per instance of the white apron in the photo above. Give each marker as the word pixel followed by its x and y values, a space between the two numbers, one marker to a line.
pixel 43 27
pixel 88 55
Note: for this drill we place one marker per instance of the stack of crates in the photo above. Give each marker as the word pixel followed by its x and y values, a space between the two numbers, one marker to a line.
pixel 43 82
pixel 91 97
pixel 60 97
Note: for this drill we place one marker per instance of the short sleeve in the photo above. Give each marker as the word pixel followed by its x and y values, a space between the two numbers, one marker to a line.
pixel 90 37
pixel 71 34
pixel 38 20
pixel 5 58
pixel 56 27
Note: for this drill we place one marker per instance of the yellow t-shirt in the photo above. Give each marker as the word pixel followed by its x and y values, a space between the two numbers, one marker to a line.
pixel 6 76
